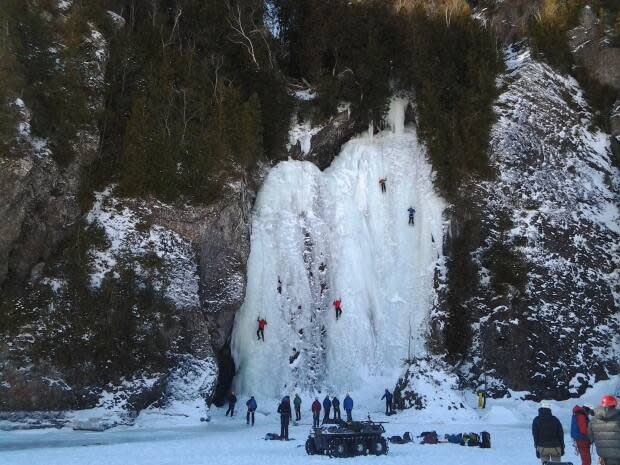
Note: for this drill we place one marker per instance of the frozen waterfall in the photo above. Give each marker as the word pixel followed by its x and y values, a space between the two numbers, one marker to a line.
pixel 318 236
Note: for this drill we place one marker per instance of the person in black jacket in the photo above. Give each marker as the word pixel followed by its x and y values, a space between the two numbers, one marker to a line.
pixel 232 400
pixel 336 406
pixel 604 431
pixel 284 409
pixel 548 435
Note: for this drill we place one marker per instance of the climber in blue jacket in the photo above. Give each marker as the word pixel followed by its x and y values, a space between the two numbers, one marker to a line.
pixel 347 404
pixel 411 211
pixel 327 405
pixel 251 405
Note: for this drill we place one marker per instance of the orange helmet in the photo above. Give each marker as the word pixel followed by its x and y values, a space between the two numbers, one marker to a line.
pixel 609 401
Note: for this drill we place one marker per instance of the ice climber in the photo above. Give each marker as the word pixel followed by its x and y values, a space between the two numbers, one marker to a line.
pixel 316 412
pixel 251 405
pixel 382 182
pixel 347 404
pixel 579 433
pixel 604 431
pixel 548 435
pixel 297 404
pixel 293 356
pixel 327 406
pixel 260 332
pixel 387 395
pixel 232 400
pixel 411 211
pixel 284 409
pixel 336 406
pixel 338 307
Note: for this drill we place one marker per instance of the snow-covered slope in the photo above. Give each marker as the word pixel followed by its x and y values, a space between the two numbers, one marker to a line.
pixel 555 204
pixel 333 234
pixel 130 237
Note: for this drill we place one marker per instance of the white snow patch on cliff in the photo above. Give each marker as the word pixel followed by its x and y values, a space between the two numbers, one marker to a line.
pixel 128 236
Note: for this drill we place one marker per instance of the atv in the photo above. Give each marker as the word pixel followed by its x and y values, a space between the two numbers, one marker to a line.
pixel 347 439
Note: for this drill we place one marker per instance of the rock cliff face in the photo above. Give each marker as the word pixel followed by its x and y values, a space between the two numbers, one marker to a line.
pixel 590 47
pixel 544 310
pixel 38 197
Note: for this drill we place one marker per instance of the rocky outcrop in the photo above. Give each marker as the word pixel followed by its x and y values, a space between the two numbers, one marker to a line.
pixel 326 143
pixel 38 197
pixel 543 313
pixel 589 46
pixel 508 18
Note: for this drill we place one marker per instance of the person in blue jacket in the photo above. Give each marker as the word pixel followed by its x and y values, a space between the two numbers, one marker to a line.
pixel 327 405
pixel 347 404
pixel 251 405
pixel 387 395
pixel 411 211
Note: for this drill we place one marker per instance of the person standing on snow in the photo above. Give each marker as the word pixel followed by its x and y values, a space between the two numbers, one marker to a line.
pixel 604 431
pixel 337 306
pixel 284 409
pixel 387 395
pixel 316 412
pixel 251 405
pixel 297 404
pixel 232 400
pixel 336 406
pixel 411 211
pixel 548 435
pixel 347 403
pixel 579 433
pixel 327 405
pixel 261 328
pixel 382 182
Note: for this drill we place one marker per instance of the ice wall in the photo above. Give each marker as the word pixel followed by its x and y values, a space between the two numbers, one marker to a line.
pixel 333 234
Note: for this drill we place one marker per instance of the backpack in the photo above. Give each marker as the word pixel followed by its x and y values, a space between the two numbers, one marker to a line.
pixel 407 437
pixel 396 440
pixel 474 440
pixel 454 438
pixel 470 440
pixel 485 440
pixel 429 437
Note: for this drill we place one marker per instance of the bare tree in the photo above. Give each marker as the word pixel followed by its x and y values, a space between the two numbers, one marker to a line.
pixel 245 31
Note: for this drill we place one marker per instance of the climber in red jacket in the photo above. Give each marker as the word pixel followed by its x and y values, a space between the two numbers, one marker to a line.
pixel 579 433
pixel 261 328
pixel 338 308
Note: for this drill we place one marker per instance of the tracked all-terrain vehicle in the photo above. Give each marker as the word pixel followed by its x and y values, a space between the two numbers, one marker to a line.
pixel 344 439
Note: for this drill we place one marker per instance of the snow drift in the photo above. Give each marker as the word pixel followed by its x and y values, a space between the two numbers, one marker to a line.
pixel 318 236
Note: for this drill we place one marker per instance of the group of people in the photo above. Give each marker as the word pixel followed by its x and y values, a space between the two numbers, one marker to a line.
pixel 411 210
pixel 603 430
pixel 328 404
pixel 285 411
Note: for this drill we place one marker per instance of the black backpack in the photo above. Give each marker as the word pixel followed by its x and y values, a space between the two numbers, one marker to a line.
pixel 485 440
pixel 407 437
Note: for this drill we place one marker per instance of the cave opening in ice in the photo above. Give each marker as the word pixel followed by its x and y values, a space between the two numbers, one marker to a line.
pixel 318 236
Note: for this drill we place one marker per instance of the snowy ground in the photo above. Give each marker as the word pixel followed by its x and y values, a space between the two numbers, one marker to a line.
pixel 167 440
